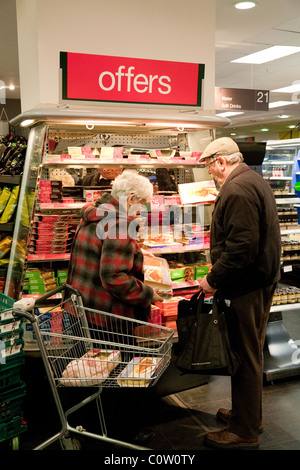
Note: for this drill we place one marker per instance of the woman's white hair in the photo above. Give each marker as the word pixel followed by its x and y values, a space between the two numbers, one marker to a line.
pixel 130 182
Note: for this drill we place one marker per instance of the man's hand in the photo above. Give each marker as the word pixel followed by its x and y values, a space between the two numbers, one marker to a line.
pixel 205 287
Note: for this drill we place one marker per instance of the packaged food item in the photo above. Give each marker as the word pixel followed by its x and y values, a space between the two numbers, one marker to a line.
pixel 91 369
pixel 11 206
pixel 5 195
pixel 5 246
pixel 156 272
pixel 139 372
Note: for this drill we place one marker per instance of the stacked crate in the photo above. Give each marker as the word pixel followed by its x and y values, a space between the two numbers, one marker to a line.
pixel 12 389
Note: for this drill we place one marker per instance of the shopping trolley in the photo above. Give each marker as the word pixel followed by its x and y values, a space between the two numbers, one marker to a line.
pixel 83 347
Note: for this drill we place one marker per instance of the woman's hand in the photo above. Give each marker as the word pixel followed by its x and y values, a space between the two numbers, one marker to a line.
pixel 156 297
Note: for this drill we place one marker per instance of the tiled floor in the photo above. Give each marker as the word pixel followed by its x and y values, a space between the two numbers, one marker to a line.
pixel 180 419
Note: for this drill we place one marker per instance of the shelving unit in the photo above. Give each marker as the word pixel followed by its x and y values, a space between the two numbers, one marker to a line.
pixel 40 161
pixel 278 170
pixel 8 228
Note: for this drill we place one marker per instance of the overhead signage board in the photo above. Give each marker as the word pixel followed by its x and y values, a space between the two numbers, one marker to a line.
pixel 239 99
pixel 90 77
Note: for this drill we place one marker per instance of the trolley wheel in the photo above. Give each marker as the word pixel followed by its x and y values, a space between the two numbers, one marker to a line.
pixel 76 444
pixel 15 443
pixel 70 443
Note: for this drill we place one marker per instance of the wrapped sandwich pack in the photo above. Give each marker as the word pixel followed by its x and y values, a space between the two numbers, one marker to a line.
pixel 139 372
pixel 91 369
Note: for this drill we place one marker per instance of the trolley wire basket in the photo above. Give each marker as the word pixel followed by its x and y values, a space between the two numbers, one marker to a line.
pixel 83 347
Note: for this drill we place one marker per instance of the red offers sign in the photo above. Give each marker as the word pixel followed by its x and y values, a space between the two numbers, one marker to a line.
pixel 89 77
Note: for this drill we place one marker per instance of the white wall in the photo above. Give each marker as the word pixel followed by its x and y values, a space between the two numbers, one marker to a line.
pixel 175 30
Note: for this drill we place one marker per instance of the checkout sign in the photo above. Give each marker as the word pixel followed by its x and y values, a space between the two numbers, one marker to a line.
pixel 89 77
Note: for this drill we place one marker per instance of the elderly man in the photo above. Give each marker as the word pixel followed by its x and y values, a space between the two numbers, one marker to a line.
pixel 245 256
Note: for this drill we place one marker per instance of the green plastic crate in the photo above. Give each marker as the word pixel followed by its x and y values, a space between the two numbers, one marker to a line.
pixel 6 303
pixel 10 349
pixel 11 402
pixel 10 372
pixel 12 428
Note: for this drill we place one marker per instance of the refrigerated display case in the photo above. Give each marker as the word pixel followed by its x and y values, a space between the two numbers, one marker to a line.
pixel 280 350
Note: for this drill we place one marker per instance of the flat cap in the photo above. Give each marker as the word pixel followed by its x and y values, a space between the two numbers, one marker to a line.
pixel 221 146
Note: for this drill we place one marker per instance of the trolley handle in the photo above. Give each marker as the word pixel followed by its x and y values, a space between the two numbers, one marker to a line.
pixel 56 290
pixel 17 312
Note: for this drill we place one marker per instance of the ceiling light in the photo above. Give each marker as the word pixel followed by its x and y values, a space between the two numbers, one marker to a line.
pixel 9 87
pixel 288 89
pixel 229 113
pixel 279 104
pixel 264 129
pixel 27 122
pixel 244 5
pixel 291 127
pixel 267 55
pixel 283 116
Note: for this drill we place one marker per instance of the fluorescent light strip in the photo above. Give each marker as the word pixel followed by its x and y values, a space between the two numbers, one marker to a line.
pixel 278 104
pixel 229 113
pixel 288 89
pixel 267 55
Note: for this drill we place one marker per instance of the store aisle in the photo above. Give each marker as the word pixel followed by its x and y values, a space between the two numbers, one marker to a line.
pixel 179 419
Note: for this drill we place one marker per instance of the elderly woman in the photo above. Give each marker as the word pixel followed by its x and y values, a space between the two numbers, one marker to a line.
pixel 106 263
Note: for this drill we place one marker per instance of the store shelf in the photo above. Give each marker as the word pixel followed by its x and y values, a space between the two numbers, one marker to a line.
pixel 293 200
pixel 7 227
pixel 45 206
pixel 142 162
pixel 8 179
pixel 184 284
pixel 178 249
pixel 279 162
pixel 285 307
pixel 37 296
pixel 278 178
pixel 49 257
pixel 290 231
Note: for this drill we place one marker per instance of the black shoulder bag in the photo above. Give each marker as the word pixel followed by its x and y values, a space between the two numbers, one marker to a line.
pixel 203 341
